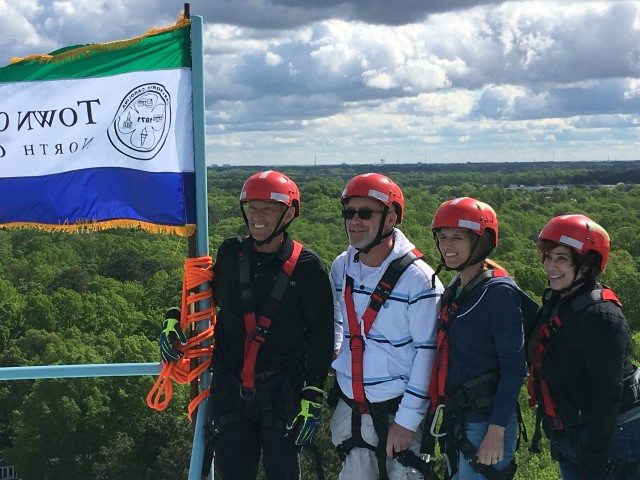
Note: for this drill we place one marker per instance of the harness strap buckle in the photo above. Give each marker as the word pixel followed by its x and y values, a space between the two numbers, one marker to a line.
pixel 377 295
pixel 464 398
pixel 247 393
pixel 450 312
pixel 260 334
pixel 356 341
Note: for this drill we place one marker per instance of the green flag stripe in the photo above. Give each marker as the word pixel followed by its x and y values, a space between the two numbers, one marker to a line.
pixel 162 51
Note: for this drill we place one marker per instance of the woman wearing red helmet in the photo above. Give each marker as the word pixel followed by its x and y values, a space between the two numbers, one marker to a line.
pixel 480 364
pixel 582 380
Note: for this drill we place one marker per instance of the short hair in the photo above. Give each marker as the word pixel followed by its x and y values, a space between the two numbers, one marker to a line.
pixel 589 263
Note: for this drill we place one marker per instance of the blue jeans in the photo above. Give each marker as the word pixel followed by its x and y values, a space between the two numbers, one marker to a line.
pixel 475 433
pixel 624 446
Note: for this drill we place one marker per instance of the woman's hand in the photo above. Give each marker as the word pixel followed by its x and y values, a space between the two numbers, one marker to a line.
pixel 491 449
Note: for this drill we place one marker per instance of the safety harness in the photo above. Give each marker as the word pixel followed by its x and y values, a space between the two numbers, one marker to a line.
pixel 448 313
pixel 537 386
pixel 256 334
pixel 257 331
pixel 549 415
pixel 474 394
pixel 379 411
pixel 379 295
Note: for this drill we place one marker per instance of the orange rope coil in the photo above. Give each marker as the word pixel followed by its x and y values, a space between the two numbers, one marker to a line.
pixel 197 272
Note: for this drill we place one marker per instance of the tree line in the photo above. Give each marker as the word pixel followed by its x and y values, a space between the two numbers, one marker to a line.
pixel 100 298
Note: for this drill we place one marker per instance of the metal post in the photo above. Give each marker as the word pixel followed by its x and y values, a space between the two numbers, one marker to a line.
pixel 202 221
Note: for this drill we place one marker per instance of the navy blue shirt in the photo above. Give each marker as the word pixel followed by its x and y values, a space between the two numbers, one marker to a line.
pixel 487 335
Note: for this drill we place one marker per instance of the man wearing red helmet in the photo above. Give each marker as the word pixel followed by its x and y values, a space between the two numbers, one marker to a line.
pixel 386 314
pixel 480 362
pixel 273 339
pixel 582 380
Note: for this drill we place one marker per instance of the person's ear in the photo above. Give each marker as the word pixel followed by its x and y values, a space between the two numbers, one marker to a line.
pixel 291 213
pixel 391 220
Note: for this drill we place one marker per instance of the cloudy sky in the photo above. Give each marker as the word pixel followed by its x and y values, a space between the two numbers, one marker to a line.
pixel 404 81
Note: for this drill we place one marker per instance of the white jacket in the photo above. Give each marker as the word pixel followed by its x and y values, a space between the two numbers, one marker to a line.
pixel 400 347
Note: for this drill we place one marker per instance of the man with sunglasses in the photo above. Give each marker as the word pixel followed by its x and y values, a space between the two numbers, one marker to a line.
pixel 386 314
pixel 273 339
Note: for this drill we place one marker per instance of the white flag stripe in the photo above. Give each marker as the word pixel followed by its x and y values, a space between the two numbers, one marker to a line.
pixel 57 126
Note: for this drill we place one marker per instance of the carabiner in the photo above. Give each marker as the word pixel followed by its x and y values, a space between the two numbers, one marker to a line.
pixel 434 422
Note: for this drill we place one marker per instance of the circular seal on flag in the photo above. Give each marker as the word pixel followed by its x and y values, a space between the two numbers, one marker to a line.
pixel 142 122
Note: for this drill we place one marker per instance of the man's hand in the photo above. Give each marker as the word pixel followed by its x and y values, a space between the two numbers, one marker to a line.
pixel 304 425
pixel 171 332
pixel 398 439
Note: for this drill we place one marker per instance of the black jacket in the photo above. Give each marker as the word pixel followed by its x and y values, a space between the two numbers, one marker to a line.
pixel 300 339
pixel 584 365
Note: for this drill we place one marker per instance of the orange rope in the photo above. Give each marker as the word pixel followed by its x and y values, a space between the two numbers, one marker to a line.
pixel 197 272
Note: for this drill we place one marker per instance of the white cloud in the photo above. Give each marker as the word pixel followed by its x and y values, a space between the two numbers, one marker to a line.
pixel 633 89
pixel 379 79
pixel 360 80
pixel 272 59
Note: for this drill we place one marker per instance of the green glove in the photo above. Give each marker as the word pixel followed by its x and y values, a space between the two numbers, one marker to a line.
pixel 304 425
pixel 171 332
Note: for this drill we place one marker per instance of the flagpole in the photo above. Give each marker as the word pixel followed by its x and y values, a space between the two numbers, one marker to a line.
pixel 202 221
pixel 192 248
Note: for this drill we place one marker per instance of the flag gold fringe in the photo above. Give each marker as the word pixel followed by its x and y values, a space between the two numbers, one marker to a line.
pixel 86 227
pixel 88 50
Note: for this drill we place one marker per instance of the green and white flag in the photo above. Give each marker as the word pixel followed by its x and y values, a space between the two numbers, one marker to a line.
pixel 101 135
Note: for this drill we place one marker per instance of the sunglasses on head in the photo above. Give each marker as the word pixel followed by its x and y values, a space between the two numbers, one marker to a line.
pixel 363 213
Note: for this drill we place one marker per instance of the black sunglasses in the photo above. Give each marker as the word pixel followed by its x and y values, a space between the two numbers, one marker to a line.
pixel 363 213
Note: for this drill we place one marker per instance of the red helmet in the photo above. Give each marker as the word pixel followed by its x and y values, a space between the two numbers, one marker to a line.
pixel 271 186
pixel 467 213
pixel 580 233
pixel 376 186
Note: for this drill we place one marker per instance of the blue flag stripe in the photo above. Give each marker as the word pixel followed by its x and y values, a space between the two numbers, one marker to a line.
pixel 99 195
